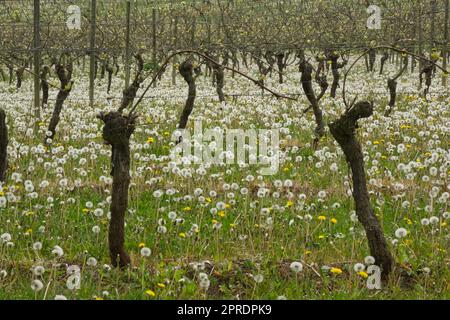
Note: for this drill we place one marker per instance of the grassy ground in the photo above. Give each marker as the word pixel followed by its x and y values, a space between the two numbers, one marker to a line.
pixel 245 248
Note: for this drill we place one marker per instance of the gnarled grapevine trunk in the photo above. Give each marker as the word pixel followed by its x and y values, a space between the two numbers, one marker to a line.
pixel 372 58
pixel 335 66
pixel 306 69
pixel 19 75
pixel 392 85
pixel 65 78
pixel 281 63
pixel 383 60
pixel 110 71
pixel 427 70
pixel 219 80
pixel 117 132
pixel 3 146
pixel 186 69
pixel 11 73
pixel 44 84
pixel 343 130
pixel 130 93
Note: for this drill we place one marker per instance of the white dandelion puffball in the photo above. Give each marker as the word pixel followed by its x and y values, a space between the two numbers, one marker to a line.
pixel 202 275
pixel 60 297
pixel 58 251
pixel 358 267
pixel 92 262
pixel 400 233
pixel 98 212
pixel 38 270
pixel 37 246
pixel 5 237
pixel 369 260
pixel 258 278
pixel 434 220
pixel 73 269
pixel 146 252
pixel 96 229
pixel 204 283
pixel 37 285
pixel 296 266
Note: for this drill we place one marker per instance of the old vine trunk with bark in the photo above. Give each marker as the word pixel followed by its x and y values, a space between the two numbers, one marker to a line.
pixel 306 69
pixel 3 146
pixel 66 83
pixel 116 133
pixel 392 86
pixel 343 130
pixel 129 94
pixel 186 69
pixel 44 84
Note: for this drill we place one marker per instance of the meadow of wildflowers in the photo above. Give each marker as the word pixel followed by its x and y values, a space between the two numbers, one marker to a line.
pixel 198 231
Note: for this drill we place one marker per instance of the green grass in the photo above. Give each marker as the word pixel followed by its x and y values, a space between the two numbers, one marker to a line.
pixel 232 261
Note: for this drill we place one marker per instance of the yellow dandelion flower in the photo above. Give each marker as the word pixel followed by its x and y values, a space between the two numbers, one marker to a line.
pixel 182 235
pixel 141 245
pixel 322 218
pixel 161 285
pixel 363 274
pixel 289 203
pixel 221 214
pixel 336 270
pixel 333 220
pixel 151 293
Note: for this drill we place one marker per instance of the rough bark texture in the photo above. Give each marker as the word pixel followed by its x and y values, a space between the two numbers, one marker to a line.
pixel 65 78
pixel 3 146
pixel 219 80
pixel 281 63
pixel 343 130
pixel 44 84
pixel 19 75
pixel 392 85
pixel 335 66
pixel 427 70
pixel 186 69
pixel 130 93
pixel 306 69
pixel 372 58
pixel 11 73
pixel 384 58
pixel 117 132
